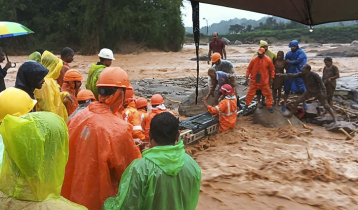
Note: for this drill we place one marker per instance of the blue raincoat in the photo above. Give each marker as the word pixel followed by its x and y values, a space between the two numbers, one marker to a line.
pixel 297 60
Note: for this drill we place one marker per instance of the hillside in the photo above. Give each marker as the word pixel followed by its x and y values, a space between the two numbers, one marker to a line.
pixel 344 34
pixel 223 26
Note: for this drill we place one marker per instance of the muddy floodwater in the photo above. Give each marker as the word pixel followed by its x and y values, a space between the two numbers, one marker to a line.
pixel 253 167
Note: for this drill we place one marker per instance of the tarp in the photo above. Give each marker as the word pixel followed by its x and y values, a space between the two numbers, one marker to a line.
pixel 309 12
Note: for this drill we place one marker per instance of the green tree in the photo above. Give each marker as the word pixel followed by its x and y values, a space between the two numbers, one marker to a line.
pixel 235 28
pixel 249 28
pixel 89 25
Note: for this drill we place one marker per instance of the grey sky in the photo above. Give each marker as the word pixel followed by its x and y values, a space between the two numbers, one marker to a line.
pixel 215 14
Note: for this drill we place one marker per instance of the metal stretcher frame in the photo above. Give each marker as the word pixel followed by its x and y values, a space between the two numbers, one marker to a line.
pixel 192 131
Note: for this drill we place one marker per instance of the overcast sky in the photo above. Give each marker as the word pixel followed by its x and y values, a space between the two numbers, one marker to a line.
pixel 215 14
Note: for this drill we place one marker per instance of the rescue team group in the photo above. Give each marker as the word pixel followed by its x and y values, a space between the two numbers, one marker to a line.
pixel 95 160
pixel 266 76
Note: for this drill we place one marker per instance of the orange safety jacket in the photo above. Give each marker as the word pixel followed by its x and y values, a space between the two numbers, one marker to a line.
pixel 227 110
pixel 133 117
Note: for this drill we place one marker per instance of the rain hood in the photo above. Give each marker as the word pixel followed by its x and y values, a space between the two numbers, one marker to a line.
pixel 34 162
pixel 29 76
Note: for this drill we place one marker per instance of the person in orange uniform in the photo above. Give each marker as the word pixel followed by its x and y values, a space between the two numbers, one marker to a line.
pixel 259 70
pixel 226 108
pixel 132 116
pixel 72 82
pixel 157 102
pixel 142 107
pixel 84 98
pixel 101 145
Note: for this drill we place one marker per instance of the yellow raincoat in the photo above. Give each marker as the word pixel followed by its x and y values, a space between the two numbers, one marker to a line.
pixel 35 157
pixel 49 98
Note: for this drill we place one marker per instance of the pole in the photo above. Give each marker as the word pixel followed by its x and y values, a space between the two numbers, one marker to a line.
pixel 207 26
pixel 196 32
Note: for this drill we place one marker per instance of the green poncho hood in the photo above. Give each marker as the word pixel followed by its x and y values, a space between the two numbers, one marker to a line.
pixel 93 74
pixel 169 158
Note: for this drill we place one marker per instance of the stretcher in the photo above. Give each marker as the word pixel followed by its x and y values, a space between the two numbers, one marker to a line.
pixel 205 124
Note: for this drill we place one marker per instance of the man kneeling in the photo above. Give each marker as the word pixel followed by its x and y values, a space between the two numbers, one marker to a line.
pixel 314 88
pixel 226 108
pixel 165 178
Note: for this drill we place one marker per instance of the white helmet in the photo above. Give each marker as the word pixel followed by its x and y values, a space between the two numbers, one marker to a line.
pixel 106 53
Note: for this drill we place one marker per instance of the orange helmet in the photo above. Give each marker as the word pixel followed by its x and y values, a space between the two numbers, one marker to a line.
pixel 215 57
pixel 113 77
pixel 72 75
pixel 141 102
pixel 85 95
pixel 156 99
pixel 129 95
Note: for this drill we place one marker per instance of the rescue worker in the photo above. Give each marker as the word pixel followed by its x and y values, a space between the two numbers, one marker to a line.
pixel 261 72
pixel 84 98
pixel 222 65
pixel 157 102
pixel 3 71
pixel 273 57
pixel 269 53
pixel 166 178
pixel 132 116
pixel 219 78
pixel 295 58
pixel 30 76
pixel 314 88
pixel 105 60
pixel 71 84
pixel 226 109
pixel 32 172
pixel 101 144
pixel 16 102
pixel 67 55
pixel 142 108
pixel 49 98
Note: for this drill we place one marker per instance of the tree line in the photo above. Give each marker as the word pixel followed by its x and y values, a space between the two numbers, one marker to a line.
pixel 88 25
pixel 269 24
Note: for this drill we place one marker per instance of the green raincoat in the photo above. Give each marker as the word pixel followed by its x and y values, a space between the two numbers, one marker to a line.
pixel 34 161
pixel 1 149
pixel 35 56
pixel 93 74
pixel 165 178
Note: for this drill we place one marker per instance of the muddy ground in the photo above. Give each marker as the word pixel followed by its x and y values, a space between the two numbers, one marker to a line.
pixel 251 167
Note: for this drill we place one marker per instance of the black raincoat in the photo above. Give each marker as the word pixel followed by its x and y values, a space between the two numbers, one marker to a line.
pixel 3 73
pixel 29 75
